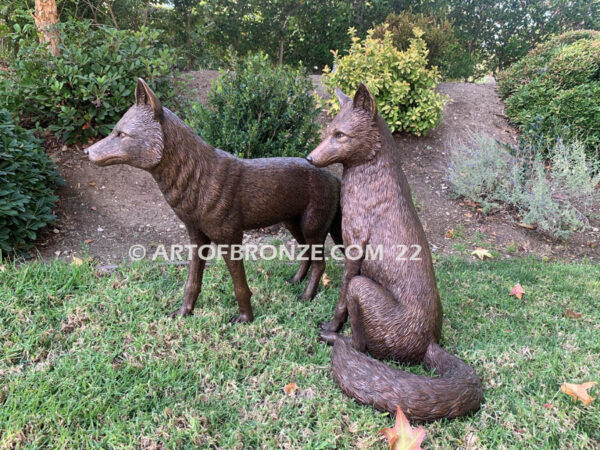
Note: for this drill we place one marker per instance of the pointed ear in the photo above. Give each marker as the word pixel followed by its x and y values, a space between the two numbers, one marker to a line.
pixel 342 98
pixel 363 99
pixel 145 96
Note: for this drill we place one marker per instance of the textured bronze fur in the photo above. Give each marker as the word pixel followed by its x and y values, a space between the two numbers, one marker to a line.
pixel 393 305
pixel 218 196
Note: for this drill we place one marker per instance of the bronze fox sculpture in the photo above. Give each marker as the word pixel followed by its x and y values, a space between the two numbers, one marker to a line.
pixel 218 196
pixel 391 300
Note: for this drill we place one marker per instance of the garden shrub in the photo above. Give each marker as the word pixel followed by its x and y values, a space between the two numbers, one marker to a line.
pixel 400 81
pixel 555 89
pixel 257 109
pixel 445 50
pixel 556 198
pixel 84 91
pixel 28 178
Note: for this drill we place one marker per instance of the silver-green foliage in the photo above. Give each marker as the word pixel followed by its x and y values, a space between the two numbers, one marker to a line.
pixel 554 194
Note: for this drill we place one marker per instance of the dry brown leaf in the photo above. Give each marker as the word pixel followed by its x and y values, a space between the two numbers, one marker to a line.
pixel 573 314
pixel 92 183
pixel 517 291
pixel 77 261
pixel 403 436
pixel 481 253
pixel 290 388
pixel 2 268
pixel 579 391
pixel 450 234
pixel 526 225
pixel 325 280
pixel 88 241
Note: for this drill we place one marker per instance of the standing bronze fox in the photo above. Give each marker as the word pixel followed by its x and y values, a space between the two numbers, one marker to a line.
pixel 391 300
pixel 218 196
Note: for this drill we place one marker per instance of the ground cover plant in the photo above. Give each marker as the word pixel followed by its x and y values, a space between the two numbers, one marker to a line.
pixel 555 195
pixel 91 360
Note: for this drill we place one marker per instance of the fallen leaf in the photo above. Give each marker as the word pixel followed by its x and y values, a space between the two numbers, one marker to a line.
pixel 526 225
pixel 549 405
pixel 56 231
pixel 403 436
pixel 88 241
pixel 481 253
pixel 573 314
pixel 450 234
pixel 517 291
pixel 93 208
pixel 290 388
pixel 2 268
pixel 86 126
pixel 579 391
pixel 92 183
pixel 325 280
pixel 77 261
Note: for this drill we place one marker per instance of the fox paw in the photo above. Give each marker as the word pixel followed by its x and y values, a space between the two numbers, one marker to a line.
pixel 180 312
pixel 328 336
pixel 242 317
pixel 332 326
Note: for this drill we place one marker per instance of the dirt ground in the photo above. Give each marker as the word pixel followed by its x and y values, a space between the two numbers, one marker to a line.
pixel 104 211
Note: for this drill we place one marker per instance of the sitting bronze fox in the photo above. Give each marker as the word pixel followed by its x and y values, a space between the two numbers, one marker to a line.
pixel 392 300
pixel 218 196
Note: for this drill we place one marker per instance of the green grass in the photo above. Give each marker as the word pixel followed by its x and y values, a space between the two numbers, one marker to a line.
pixel 90 360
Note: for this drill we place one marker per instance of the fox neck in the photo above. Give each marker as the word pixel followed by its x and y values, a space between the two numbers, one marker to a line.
pixel 186 162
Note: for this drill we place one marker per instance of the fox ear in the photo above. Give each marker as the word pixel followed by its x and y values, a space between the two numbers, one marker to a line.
pixel 363 99
pixel 342 98
pixel 145 96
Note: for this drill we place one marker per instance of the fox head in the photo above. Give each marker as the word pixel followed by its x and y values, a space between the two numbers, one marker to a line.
pixel 137 139
pixel 352 137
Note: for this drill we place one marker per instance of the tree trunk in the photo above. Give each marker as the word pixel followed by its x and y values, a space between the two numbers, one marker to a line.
pixel 280 54
pixel 46 17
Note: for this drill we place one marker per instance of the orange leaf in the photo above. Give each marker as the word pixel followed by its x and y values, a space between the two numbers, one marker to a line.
pixel 290 388
pixel 403 436
pixel 450 234
pixel 517 291
pixel 481 253
pixel 579 391
pixel 573 314
pixel 325 280
pixel 86 126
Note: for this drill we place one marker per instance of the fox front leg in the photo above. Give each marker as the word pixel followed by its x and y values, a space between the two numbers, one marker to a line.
pixel 240 287
pixel 351 269
pixel 193 285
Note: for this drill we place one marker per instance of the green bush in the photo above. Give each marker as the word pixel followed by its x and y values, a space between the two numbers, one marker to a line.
pixel 445 51
pixel 84 91
pixel 259 110
pixel 401 82
pixel 557 200
pixel 555 89
pixel 27 182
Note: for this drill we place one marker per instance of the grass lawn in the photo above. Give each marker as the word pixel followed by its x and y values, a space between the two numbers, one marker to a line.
pixel 89 360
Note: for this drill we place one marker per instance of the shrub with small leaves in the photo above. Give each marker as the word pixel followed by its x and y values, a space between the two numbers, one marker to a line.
pixel 401 82
pixel 554 90
pixel 27 182
pixel 83 92
pixel 257 109
pixel 445 50
pixel 557 200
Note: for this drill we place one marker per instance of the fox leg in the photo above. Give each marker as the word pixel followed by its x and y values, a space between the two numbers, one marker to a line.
pixel 240 287
pixel 318 265
pixel 296 231
pixel 193 285
pixel 340 315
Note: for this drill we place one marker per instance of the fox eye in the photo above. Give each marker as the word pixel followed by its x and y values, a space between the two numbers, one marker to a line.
pixel 338 135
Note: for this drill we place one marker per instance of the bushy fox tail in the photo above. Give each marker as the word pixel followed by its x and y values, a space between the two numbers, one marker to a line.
pixel 455 392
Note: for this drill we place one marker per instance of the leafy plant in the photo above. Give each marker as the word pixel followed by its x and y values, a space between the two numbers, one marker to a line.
pixel 82 92
pixel 445 51
pixel 403 85
pixel 554 90
pixel 257 109
pixel 27 181
pixel 556 199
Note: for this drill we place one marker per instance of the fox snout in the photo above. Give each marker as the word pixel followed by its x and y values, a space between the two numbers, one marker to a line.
pixel 321 156
pixel 107 152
